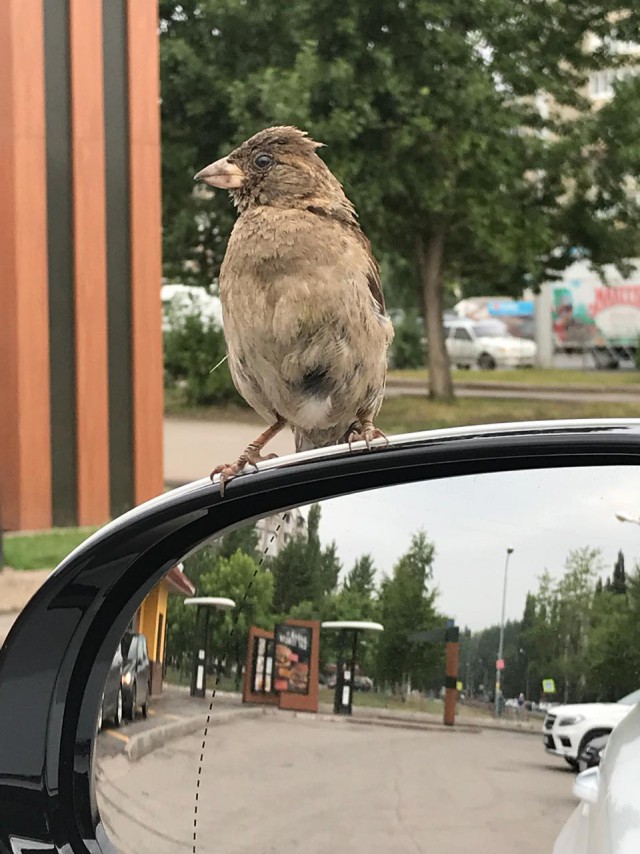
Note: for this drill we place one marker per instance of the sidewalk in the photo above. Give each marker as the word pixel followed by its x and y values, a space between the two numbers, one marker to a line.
pixel 193 448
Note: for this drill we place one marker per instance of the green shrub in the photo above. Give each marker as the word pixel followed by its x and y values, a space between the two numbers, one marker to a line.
pixel 407 349
pixel 192 347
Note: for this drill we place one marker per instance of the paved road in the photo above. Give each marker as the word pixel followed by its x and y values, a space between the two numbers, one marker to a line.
pixel 289 785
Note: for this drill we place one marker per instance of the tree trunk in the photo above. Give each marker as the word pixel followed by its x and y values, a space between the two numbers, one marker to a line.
pixel 430 254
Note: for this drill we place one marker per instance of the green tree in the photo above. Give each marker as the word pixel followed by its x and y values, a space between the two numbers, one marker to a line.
pixel 619 579
pixel 304 570
pixel 432 114
pixel 251 587
pixel 181 619
pixel 361 577
pixel 407 604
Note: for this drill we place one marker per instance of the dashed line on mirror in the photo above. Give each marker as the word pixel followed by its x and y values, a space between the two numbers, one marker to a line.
pixel 230 636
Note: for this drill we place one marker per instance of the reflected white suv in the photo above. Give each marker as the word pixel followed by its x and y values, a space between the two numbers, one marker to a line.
pixel 567 730
pixel 487 344
pixel 607 820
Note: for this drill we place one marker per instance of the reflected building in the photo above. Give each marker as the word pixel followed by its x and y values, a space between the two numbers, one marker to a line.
pixel 275 532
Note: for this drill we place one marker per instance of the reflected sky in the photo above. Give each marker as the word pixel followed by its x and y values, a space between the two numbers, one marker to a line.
pixel 542 515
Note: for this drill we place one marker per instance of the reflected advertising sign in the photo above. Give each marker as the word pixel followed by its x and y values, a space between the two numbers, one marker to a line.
pixel 292 658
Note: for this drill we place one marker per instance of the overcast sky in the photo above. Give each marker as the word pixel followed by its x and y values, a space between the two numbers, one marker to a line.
pixel 472 520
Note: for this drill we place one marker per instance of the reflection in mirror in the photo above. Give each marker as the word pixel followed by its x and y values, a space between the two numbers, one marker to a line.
pixel 286 770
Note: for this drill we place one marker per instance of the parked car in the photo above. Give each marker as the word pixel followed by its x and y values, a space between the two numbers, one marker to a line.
pixel 607 819
pixel 567 730
pixel 136 674
pixel 591 755
pixel 112 703
pixel 487 345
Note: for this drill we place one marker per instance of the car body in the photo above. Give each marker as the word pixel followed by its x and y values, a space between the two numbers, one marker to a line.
pixel 52 691
pixel 568 729
pixel 112 701
pixel 487 344
pixel 136 674
pixel 607 819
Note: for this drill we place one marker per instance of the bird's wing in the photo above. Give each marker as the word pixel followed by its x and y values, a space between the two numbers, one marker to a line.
pixel 347 218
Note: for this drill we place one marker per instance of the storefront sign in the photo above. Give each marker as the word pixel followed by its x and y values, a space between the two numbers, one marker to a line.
pixel 292 658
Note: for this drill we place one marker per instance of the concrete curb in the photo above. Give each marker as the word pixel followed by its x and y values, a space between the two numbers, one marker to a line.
pixel 146 742
pixel 463 722
pixel 143 743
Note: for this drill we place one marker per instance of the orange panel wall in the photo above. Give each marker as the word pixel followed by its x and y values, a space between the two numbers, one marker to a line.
pixel 87 134
pixel 25 457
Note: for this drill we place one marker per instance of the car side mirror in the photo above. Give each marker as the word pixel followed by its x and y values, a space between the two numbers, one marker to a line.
pixel 422 509
pixel 587 785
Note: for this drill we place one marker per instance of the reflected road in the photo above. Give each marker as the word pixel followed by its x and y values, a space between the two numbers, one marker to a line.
pixel 284 784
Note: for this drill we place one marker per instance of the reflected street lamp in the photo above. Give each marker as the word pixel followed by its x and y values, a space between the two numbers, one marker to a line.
pixel 500 662
pixel 625 517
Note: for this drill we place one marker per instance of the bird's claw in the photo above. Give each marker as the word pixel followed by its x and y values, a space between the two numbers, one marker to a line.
pixel 367 434
pixel 228 471
pixel 253 456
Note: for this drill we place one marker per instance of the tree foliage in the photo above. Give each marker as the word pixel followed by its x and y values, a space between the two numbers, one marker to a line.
pixel 303 570
pixel 407 604
pixel 460 130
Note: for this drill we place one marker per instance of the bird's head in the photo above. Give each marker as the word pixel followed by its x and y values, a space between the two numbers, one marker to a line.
pixel 278 166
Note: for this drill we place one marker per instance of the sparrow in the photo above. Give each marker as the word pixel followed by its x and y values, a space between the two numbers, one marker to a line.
pixel 303 312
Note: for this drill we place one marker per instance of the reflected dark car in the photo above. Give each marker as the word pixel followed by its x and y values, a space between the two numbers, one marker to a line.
pixel 591 754
pixel 136 675
pixel 112 703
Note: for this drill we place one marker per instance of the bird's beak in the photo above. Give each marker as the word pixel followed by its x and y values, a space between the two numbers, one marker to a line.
pixel 222 174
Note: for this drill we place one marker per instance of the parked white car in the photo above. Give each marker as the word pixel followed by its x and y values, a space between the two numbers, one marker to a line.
pixel 607 820
pixel 567 730
pixel 487 344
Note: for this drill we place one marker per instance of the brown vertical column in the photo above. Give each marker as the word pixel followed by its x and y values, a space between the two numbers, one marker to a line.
pixel 452 650
pixel 87 138
pixel 146 252
pixel 25 454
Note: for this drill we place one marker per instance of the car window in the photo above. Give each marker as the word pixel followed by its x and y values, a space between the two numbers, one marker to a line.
pixel 490 329
pixel 129 646
pixel 461 334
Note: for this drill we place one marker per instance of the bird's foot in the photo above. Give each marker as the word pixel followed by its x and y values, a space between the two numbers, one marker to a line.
pixel 228 471
pixel 253 456
pixel 367 433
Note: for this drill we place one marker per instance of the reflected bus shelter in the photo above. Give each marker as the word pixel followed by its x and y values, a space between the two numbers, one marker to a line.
pixel 202 637
pixel 346 670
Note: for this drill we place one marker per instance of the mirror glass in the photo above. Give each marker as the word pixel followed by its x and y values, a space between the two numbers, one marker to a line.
pixel 325 755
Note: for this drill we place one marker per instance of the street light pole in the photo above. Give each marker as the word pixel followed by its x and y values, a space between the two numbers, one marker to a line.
pixel 501 645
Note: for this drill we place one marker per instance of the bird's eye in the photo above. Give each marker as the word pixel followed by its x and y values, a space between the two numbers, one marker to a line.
pixel 263 160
